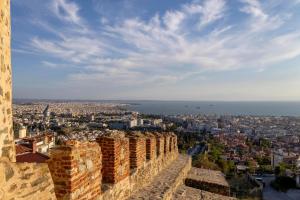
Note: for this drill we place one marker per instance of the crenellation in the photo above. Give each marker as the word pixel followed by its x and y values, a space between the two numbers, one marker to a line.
pixel 160 142
pixel 137 149
pixel 167 143
pixel 115 150
pixel 151 152
pixel 76 170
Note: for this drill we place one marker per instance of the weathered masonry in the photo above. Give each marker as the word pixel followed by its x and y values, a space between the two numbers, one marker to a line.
pixel 7 148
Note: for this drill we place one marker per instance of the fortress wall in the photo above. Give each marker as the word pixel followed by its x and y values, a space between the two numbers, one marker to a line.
pixel 142 174
pixel 7 147
pixel 25 181
pixel 137 151
pixel 76 170
pixel 160 143
pixel 115 151
pixel 151 147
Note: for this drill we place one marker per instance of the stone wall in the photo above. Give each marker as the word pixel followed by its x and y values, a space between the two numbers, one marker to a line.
pixel 25 181
pixel 206 186
pixel 76 170
pixel 208 180
pixel 7 147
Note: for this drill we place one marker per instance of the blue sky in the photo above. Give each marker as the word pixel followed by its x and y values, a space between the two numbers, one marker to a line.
pixel 154 49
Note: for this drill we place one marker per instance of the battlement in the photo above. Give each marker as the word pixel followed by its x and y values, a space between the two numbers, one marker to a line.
pixel 77 168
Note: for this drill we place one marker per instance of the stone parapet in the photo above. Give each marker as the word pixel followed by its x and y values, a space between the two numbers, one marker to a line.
pixel 25 181
pixel 76 170
pixel 208 180
pixel 188 193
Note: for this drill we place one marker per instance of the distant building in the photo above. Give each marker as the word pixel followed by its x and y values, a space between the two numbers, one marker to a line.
pixel 46 112
pixel 276 158
pixel 22 132
pixel 132 123
pixel 140 122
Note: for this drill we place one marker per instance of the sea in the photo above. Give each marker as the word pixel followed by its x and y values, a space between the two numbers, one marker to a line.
pixel 253 108
pixel 215 107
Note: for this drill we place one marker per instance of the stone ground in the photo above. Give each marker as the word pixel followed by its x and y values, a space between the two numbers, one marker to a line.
pixel 166 181
pixel 168 184
pixel 208 176
pixel 185 192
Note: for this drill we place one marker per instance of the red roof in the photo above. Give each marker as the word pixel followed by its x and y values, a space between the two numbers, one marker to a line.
pixel 32 157
pixel 21 149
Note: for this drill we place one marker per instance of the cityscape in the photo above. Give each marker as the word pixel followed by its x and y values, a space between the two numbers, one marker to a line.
pixel 131 100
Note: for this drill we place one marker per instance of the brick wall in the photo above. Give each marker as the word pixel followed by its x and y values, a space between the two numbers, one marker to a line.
pixel 167 143
pixel 7 147
pixel 76 170
pixel 137 149
pixel 160 142
pixel 150 146
pixel 173 143
pixel 115 151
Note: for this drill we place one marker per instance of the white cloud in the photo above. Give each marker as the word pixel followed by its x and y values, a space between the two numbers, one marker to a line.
pixel 212 10
pixel 169 47
pixel 66 10
pixel 261 21
pixel 173 19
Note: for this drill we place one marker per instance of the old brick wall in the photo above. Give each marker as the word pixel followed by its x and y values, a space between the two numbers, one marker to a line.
pixel 167 143
pixel 25 181
pixel 7 147
pixel 115 151
pixel 76 170
pixel 144 174
pixel 137 150
pixel 160 143
pixel 151 152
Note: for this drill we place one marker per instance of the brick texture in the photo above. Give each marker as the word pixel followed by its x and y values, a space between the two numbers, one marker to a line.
pixel 76 170
pixel 115 151
pixel 137 148
pixel 151 147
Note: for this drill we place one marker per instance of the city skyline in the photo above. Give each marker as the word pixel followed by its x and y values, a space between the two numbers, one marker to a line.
pixel 184 50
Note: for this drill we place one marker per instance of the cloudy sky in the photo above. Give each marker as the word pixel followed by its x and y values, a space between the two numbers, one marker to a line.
pixel 154 49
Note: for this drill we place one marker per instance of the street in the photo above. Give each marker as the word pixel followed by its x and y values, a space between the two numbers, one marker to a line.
pixel 270 194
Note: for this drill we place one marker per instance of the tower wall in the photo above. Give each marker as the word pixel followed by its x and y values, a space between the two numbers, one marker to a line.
pixel 7 147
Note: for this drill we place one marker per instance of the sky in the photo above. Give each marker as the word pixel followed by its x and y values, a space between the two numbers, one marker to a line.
pixel 227 50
